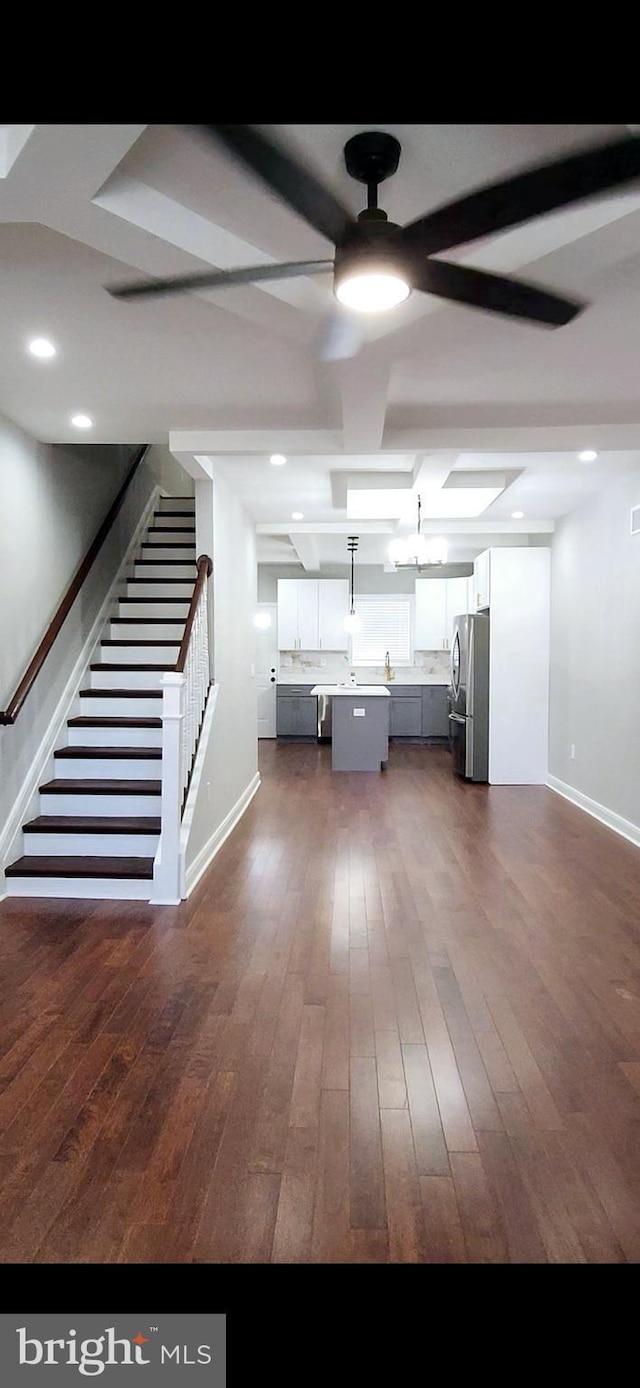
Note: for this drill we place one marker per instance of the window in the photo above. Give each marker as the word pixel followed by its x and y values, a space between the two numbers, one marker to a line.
pixel 386 626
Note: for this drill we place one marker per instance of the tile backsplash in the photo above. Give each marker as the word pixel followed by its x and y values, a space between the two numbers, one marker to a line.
pixel 332 667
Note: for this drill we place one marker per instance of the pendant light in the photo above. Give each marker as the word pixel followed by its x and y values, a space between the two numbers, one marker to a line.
pixel 352 621
pixel 418 552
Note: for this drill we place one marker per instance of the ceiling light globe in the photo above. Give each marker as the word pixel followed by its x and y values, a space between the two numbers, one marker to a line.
pixel 437 550
pixel 352 622
pixel 372 293
pixel 417 548
pixel 398 552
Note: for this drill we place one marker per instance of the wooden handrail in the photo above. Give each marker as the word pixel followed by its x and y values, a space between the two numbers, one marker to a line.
pixel 27 682
pixel 205 570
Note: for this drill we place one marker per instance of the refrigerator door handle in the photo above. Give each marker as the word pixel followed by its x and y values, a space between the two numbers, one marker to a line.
pixel 456 718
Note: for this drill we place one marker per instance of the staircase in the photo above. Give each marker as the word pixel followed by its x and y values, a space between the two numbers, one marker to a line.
pixel 99 822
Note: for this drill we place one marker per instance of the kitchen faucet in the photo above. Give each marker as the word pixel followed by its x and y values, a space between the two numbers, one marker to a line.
pixel 388 673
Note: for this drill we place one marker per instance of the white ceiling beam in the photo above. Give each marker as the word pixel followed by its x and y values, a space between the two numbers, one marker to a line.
pixel 306 548
pixel 521 438
pixel 365 391
pixel 256 441
pixel 345 527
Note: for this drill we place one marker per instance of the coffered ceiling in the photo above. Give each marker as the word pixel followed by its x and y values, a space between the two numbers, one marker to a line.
pixel 235 373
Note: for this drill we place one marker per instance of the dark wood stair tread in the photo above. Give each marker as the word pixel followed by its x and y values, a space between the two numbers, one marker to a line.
pixel 78 785
pixel 92 824
pixel 114 665
pixel 120 693
pixel 106 753
pixel 85 721
pixel 35 866
pixel 142 641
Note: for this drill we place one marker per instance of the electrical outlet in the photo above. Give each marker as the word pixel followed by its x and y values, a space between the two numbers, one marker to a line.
pixel 573 752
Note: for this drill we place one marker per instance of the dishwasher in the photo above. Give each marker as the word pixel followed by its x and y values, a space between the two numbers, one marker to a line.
pixel 325 707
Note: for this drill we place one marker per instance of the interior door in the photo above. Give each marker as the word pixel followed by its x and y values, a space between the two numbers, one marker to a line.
pixel 266 649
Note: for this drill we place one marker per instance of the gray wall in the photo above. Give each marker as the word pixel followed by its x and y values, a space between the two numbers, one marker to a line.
pixel 168 472
pixel 369 578
pixel 595 651
pixel 53 500
pixel 231 762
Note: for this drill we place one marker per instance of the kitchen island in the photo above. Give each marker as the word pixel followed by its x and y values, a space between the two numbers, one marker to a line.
pixel 360 739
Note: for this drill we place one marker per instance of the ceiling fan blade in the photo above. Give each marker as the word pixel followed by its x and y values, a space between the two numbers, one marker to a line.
pixel 290 180
pixel 341 336
pixel 218 279
pixel 495 293
pixel 530 194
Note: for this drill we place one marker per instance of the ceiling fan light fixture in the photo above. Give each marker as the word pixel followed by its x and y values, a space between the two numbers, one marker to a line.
pixel 371 291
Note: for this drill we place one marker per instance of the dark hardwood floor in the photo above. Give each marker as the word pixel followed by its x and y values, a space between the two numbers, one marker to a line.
pixel 398 1020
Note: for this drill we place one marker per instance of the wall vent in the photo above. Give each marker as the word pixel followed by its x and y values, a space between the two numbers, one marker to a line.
pixel 635 520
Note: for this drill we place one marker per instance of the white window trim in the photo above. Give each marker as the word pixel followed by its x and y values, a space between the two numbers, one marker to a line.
pixel 386 597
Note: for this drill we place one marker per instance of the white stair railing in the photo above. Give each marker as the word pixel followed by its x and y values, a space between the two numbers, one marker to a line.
pixel 184 697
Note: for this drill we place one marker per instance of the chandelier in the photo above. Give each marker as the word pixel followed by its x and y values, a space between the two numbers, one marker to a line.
pixel 418 551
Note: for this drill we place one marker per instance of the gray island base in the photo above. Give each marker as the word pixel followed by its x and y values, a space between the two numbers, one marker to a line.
pixel 360 738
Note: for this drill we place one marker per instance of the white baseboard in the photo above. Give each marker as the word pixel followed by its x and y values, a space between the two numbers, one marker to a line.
pixel 621 826
pixel 22 808
pixel 220 835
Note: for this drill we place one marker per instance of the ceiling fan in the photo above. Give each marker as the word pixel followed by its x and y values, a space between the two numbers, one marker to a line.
pixel 377 263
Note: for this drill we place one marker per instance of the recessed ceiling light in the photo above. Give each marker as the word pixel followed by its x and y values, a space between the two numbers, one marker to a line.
pixel 517 515
pixel 81 421
pixel 41 347
pixel 277 459
pixel 297 515
pixel 587 456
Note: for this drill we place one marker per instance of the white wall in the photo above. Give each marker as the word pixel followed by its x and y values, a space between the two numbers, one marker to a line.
pixel 231 762
pixel 595 651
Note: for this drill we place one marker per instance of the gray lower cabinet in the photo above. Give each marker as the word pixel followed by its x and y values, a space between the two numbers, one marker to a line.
pixel 296 711
pixel 405 714
pixel 435 710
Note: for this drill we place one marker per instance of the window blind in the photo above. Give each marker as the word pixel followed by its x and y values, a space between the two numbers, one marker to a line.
pixel 386 626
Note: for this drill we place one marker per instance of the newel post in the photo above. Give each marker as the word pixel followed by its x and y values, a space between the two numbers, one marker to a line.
pixel 166 875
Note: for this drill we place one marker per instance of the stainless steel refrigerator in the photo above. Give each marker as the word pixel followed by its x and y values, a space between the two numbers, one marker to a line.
pixel 469 716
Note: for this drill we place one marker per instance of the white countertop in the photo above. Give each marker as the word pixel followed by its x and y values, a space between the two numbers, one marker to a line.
pixel 380 684
pixel 356 691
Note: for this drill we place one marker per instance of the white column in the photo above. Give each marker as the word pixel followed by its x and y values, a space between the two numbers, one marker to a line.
pixel 166 870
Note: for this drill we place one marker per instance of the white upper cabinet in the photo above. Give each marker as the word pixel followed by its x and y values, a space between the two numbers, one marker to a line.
pixel 311 613
pixel 431 614
pixel 438 602
pixel 333 606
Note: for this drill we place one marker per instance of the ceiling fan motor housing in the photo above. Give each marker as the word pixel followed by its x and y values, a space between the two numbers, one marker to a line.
pixel 373 247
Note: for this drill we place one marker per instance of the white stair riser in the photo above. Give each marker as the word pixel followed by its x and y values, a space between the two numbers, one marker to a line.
pixel 173 611
pixel 176 503
pixel 84 802
pixel 106 769
pixel 131 679
pixel 50 844
pixel 122 707
pixel 82 888
pixel 171 537
pixel 142 589
pixel 139 655
pixel 139 631
pixel 187 571
pixel 115 737
pixel 186 553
